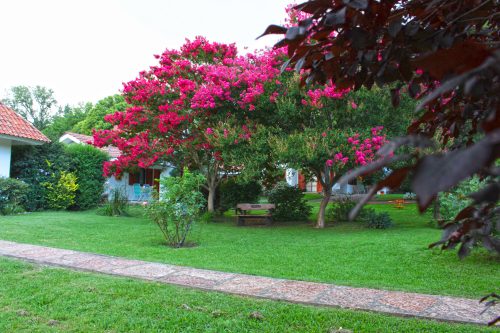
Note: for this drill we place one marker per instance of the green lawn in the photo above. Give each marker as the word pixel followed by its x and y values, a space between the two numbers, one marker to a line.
pixel 387 197
pixel 39 299
pixel 346 254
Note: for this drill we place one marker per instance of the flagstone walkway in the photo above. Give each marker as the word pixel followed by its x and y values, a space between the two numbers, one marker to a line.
pixel 319 294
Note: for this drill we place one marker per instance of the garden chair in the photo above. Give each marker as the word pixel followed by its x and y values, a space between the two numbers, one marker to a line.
pixel 137 192
pixel 146 192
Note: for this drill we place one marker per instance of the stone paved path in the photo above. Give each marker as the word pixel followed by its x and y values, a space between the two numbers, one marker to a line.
pixel 319 294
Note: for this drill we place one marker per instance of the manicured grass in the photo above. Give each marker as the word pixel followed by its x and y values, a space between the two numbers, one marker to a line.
pixel 313 196
pixel 38 299
pixel 344 253
pixel 387 197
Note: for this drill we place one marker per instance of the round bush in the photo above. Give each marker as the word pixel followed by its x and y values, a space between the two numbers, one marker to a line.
pixel 290 203
pixel 378 220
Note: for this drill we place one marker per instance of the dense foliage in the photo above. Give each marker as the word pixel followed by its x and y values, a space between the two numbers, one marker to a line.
pixel 12 196
pixel 232 192
pixel 65 120
pixel 290 203
pixel 178 207
pixel 61 190
pixel 86 162
pixel 39 166
pixel 452 202
pixel 29 164
pixel 94 117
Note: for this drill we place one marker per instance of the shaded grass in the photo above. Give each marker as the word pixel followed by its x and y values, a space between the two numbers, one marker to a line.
pixel 37 299
pixel 343 253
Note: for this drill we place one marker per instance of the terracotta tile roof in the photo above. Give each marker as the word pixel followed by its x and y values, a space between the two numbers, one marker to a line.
pixel 81 137
pixel 13 124
pixel 112 151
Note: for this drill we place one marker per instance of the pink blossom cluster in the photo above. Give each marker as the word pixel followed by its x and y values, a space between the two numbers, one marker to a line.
pixel 294 16
pixel 200 83
pixel 364 150
pixel 315 96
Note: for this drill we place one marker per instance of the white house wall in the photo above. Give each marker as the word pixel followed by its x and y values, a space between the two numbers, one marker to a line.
pixel 292 177
pixel 128 190
pixel 5 153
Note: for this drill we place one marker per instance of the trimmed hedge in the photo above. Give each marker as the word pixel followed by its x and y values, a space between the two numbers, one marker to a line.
pixel 86 163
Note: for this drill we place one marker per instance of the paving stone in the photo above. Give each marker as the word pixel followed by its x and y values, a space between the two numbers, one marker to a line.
pixel 347 297
pixel 392 302
pixel 408 302
pixel 247 285
pixel 44 254
pixel 460 309
pixel 105 264
pixel 189 281
pixel 295 291
pixel 149 271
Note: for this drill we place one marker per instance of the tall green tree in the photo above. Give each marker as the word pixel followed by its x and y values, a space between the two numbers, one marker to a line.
pixel 35 104
pixel 94 118
pixel 66 119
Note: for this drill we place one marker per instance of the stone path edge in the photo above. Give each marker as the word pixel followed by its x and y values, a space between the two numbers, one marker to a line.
pixel 398 303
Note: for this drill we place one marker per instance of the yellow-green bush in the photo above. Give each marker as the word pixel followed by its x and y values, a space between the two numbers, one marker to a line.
pixel 62 191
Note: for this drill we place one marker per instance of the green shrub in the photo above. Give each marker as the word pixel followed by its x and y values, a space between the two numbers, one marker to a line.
pixel 378 220
pixel 232 192
pixel 452 202
pixel 13 196
pixel 207 217
pixel 340 209
pixel 29 164
pixel 86 162
pixel 117 204
pixel 178 207
pixel 290 203
pixel 61 191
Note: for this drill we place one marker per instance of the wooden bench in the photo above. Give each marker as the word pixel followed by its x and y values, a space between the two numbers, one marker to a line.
pixel 243 209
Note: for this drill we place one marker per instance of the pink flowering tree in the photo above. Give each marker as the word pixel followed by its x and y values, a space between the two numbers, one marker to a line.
pixel 316 133
pixel 181 108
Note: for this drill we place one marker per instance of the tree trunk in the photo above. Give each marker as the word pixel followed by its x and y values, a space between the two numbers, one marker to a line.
pixel 436 211
pixel 211 197
pixel 327 192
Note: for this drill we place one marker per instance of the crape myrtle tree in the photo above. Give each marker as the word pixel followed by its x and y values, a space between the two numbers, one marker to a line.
pixel 443 53
pixel 315 133
pixel 177 105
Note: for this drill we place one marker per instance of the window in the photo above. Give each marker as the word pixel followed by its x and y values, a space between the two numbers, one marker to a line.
pixel 144 176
